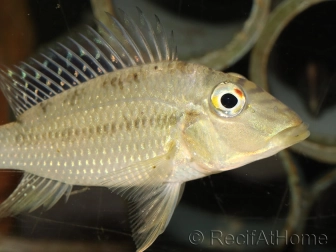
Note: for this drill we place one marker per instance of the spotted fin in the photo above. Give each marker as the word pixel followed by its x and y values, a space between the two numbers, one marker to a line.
pixel 84 56
pixel 33 192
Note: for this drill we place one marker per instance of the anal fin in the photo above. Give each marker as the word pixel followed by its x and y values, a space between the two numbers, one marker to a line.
pixel 33 192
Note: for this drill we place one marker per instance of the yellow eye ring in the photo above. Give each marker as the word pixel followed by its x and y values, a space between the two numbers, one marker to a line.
pixel 227 99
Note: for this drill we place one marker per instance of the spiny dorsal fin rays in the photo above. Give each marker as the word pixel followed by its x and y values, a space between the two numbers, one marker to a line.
pixel 71 67
pixel 162 39
pixel 126 39
pixel 115 40
pixel 92 61
pixel 60 81
pixel 38 74
pixel 110 54
pixel 73 58
pixel 148 32
pixel 173 46
pixel 19 92
pixel 27 76
pixel 50 75
pixel 13 92
pixel 36 78
pixel 118 52
pixel 137 35
pixel 84 56
pixel 106 63
pixel 64 73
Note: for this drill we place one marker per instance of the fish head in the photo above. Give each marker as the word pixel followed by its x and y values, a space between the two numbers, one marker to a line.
pixel 248 123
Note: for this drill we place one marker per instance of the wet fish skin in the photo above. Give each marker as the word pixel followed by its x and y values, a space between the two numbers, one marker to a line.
pixel 79 143
pixel 142 130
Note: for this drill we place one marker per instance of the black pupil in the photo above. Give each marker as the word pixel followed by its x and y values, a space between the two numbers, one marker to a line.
pixel 229 101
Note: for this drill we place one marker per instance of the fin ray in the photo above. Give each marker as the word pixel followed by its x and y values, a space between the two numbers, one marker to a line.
pixel 126 26
pixel 72 80
pixel 83 56
pixel 51 92
pixel 33 192
pixel 112 39
pixel 152 199
pixel 84 52
pixel 148 32
pixel 162 39
pixel 109 53
pixel 138 37
pixel 47 77
pixel 99 55
pixel 60 80
pixel 75 70
pixel 150 216
pixel 71 55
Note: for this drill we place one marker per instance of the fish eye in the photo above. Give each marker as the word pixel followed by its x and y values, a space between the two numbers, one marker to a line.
pixel 227 99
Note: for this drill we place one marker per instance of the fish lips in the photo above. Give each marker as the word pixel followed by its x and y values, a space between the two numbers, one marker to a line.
pixel 285 138
pixel 290 136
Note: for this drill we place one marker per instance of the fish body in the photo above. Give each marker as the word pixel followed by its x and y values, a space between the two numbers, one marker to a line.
pixel 141 124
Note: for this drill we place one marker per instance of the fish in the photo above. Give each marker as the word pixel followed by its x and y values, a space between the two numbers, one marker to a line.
pixel 112 106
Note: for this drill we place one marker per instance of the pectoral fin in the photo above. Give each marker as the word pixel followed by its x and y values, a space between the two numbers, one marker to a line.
pixel 152 199
pixel 151 210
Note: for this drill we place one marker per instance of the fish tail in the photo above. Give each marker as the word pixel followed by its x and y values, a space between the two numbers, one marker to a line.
pixel 33 192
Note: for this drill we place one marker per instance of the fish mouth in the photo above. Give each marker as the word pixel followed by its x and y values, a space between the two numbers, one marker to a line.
pixel 291 136
pixel 284 139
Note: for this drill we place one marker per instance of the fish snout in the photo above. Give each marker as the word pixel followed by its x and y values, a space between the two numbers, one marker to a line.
pixel 289 128
pixel 293 129
pixel 287 115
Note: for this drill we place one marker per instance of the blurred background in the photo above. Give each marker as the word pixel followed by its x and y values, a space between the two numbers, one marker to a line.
pixel 288 47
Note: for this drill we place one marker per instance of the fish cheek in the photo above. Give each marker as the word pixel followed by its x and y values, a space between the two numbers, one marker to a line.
pixel 245 138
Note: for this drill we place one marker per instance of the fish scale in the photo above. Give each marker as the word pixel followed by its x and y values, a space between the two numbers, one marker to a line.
pixel 117 109
pixel 79 141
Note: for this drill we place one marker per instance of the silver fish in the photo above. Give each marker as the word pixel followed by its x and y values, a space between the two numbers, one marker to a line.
pixel 117 109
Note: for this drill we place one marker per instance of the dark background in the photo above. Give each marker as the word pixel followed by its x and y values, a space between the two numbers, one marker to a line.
pixel 255 196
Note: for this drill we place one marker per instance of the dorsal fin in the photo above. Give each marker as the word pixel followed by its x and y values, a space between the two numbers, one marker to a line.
pixel 84 56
